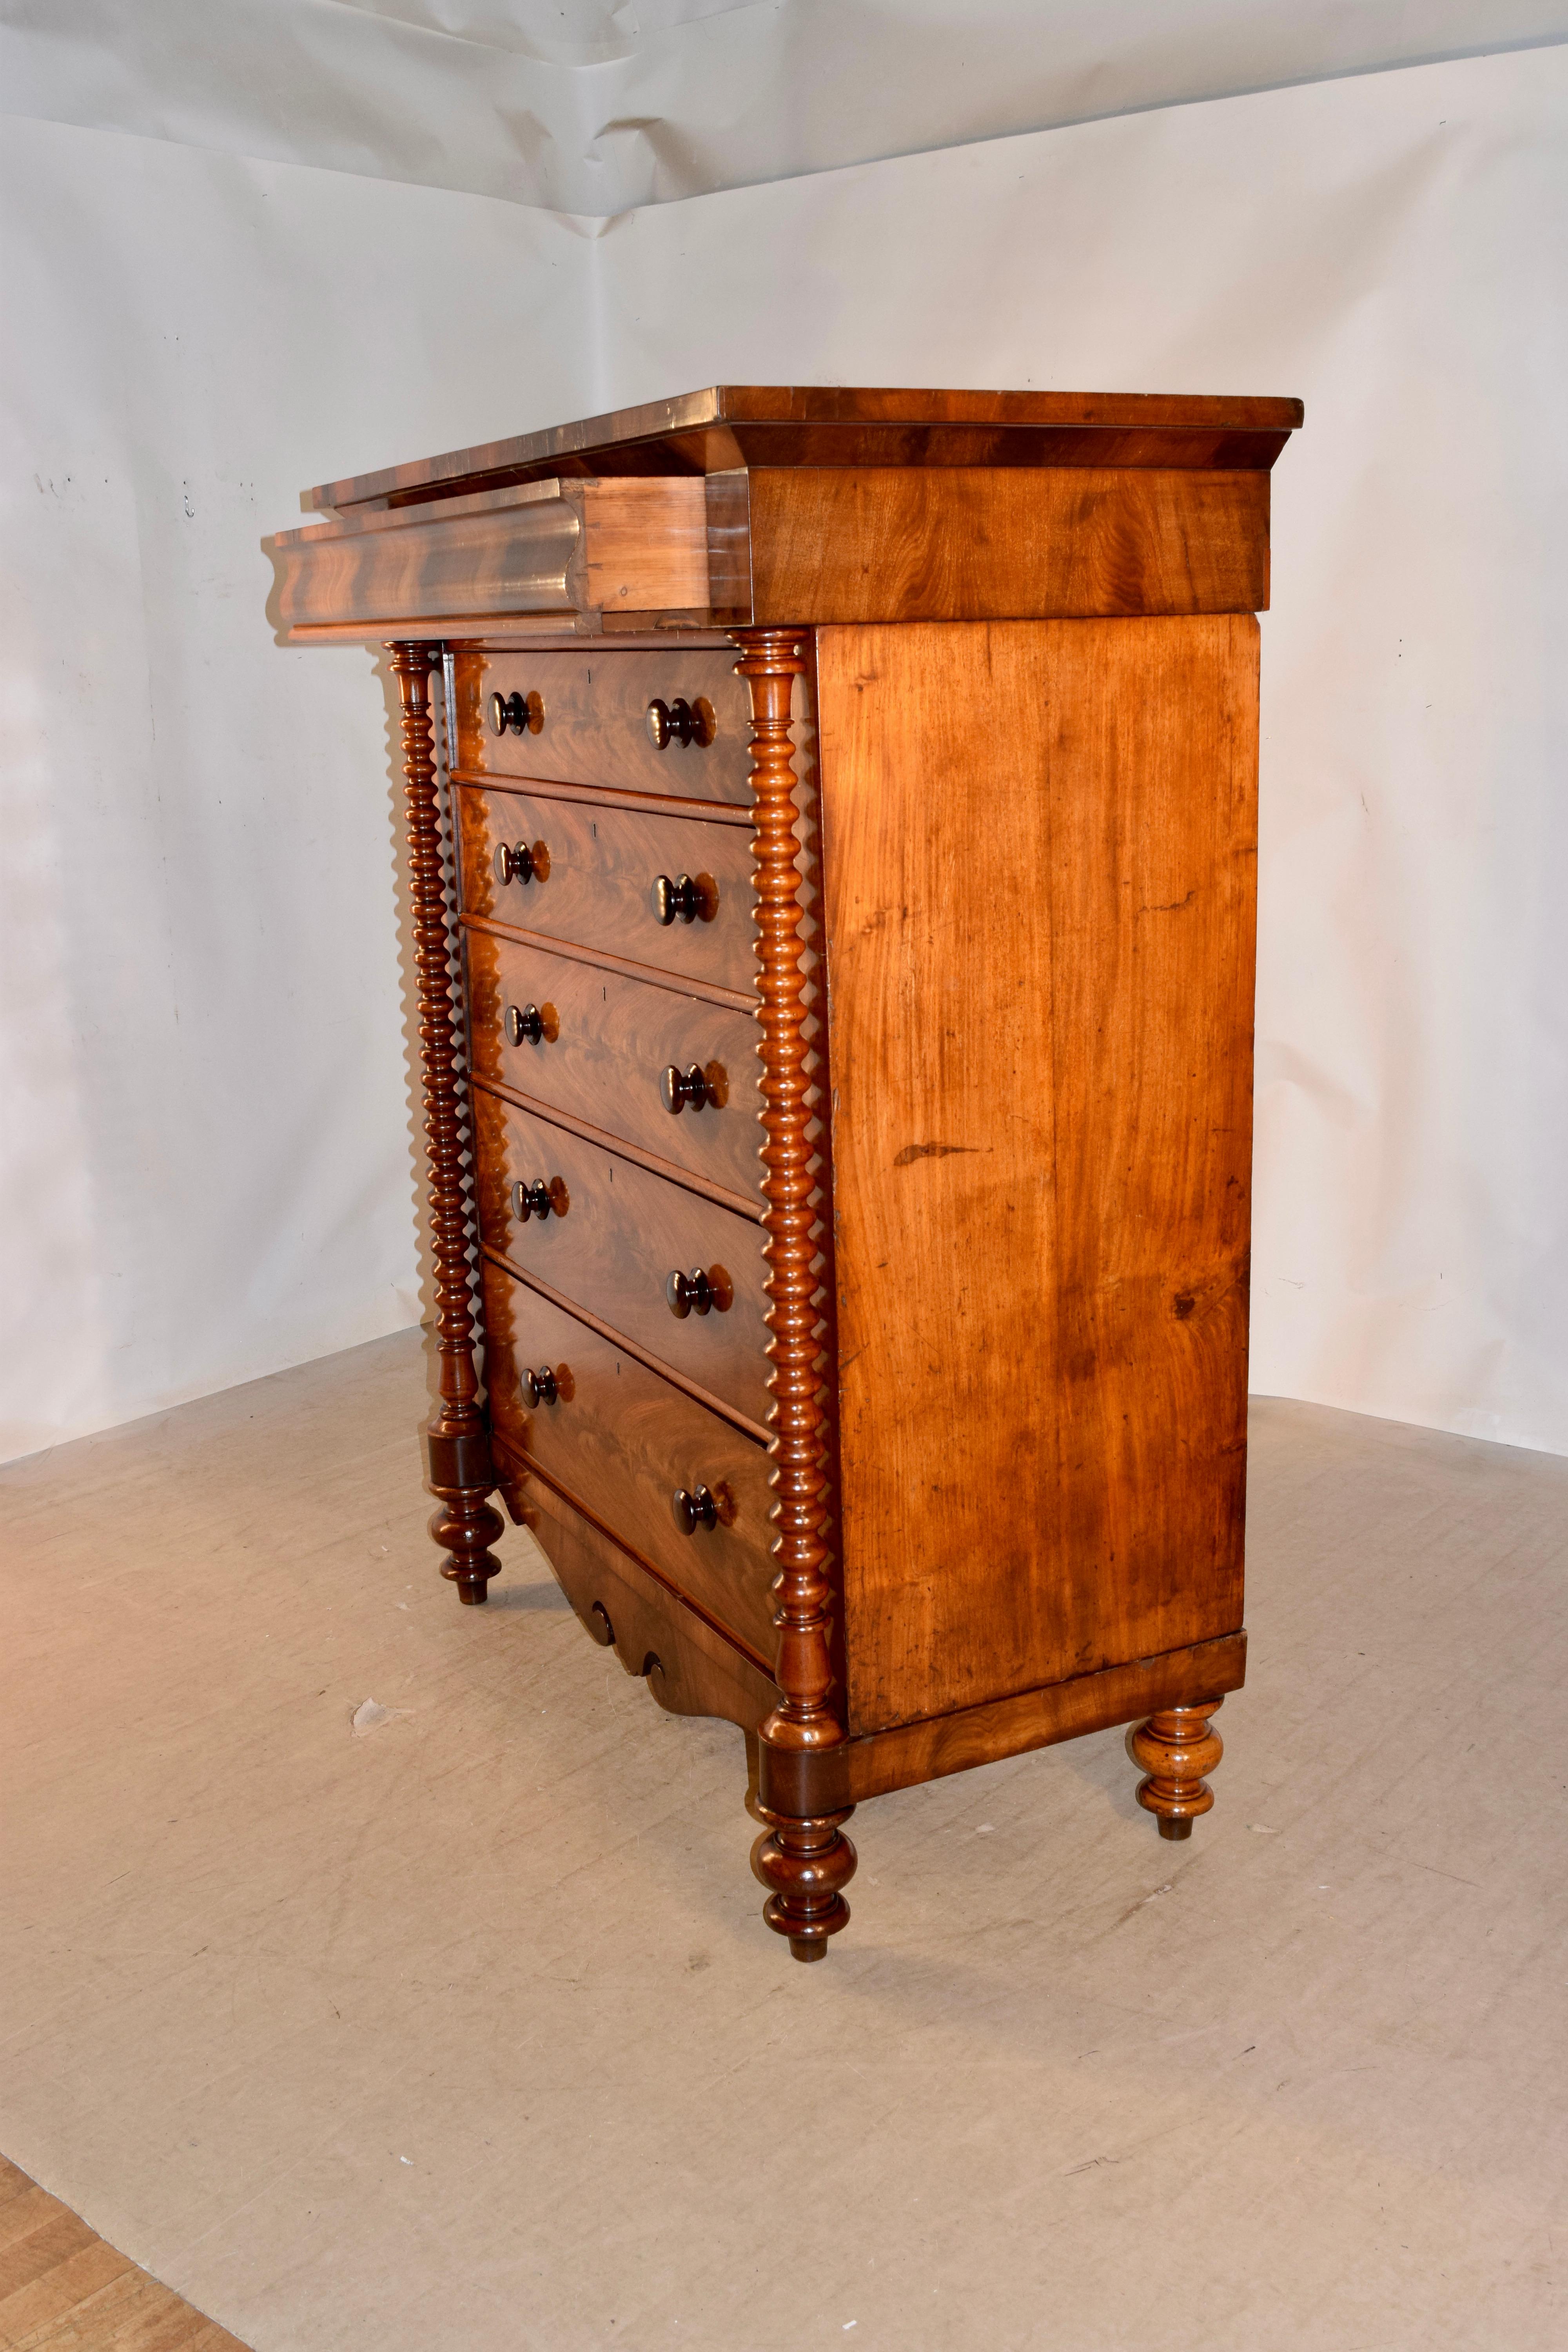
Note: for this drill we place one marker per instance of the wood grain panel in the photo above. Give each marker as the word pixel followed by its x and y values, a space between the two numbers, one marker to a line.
pixel 725 426
pixel 964 544
pixel 909 1753
pixel 623 1233
pixel 622 1442
pixel 691 1668
pixel 599 874
pixel 596 720
pixel 512 557
pixel 608 1041
pixel 1039 863
pixel 645 543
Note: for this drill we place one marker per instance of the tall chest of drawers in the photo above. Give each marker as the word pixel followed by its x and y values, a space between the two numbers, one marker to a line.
pixel 832 824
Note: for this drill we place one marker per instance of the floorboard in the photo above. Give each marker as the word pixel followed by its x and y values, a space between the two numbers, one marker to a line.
pixel 63 2290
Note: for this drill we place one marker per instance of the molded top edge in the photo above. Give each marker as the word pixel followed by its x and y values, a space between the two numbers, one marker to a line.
pixel 705 432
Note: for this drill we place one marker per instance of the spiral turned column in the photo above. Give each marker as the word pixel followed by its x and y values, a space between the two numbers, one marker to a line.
pixel 1176 1748
pixel 459 1471
pixel 805 1863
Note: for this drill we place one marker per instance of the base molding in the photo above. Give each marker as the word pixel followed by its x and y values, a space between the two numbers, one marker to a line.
pixel 696 1671
pixel 879 1762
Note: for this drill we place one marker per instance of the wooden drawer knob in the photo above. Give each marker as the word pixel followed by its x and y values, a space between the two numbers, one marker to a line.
pixel 678 1087
pixel 524 1024
pixel 697 1292
pixel 540 1388
pixel 522 864
pixel 694 1508
pixel 684 898
pixel 540 1199
pixel 518 714
pixel 680 722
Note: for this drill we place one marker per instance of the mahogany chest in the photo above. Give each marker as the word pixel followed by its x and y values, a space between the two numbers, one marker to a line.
pixel 832 830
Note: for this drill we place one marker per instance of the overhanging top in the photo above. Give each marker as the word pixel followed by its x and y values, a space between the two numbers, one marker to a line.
pixel 731 427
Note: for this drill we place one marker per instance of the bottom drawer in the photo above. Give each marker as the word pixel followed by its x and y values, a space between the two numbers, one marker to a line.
pixel 624 1443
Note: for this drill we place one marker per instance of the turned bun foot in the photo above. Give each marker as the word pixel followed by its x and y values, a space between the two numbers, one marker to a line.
pixel 806 1864
pixel 465 1526
pixel 1176 1748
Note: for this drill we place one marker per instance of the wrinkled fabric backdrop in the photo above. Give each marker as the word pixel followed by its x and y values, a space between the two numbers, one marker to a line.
pixel 251 246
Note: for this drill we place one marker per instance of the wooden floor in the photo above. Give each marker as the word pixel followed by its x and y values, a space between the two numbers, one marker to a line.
pixel 63 2290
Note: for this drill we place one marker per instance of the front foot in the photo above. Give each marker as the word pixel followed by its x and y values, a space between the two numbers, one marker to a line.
pixel 1176 1748
pixel 806 1864
pixel 459 1473
pixel 465 1526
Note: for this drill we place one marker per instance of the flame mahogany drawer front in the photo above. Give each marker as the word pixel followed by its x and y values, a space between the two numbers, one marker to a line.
pixel 606 878
pixel 624 1245
pixel 624 1445
pixel 592 1042
pixel 597 718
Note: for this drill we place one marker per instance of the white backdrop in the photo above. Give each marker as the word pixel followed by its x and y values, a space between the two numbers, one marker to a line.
pixel 205 1082
pixel 205 1089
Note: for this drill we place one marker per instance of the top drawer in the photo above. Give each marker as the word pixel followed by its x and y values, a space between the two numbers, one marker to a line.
pixel 588 721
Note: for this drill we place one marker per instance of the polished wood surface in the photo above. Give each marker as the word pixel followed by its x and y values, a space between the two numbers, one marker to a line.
pixel 615 1236
pixel 999 544
pixel 594 729
pixel 884 992
pixel 690 1667
pixel 1042 979
pixel 870 542
pixel 872 1763
pixel 806 1862
pixel 456 1445
pixel 596 876
pixel 619 1442
pixel 1176 1748
pixel 606 1045
pixel 514 557
pixel 729 425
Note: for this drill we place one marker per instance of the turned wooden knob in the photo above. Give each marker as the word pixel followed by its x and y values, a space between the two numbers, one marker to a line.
pixel 680 722
pixel 519 863
pixel 683 897
pixel 694 1508
pixel 540 1388
pixel 678 1087
pixel 517 714
pixel 524 1024
pixel 697 1292
pixel 540 1199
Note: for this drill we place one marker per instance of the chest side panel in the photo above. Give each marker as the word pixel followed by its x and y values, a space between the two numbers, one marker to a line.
pixel 1039 850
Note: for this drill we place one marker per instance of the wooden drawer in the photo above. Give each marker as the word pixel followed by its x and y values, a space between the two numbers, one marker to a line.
pixel 622 1442
pixel 590 724
pixel 606 1045
pixel 594 872
pixel 622 1234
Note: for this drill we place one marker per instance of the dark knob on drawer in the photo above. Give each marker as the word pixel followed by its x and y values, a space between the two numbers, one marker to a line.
pixel 680 722
pixel 517 865
pixel 539 1200
pixel 524 1024
pixel 697 1293
pixel 516 713
pixel 684 897
pixel 540 1388
pixel 694 1508
pixel 678 1087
